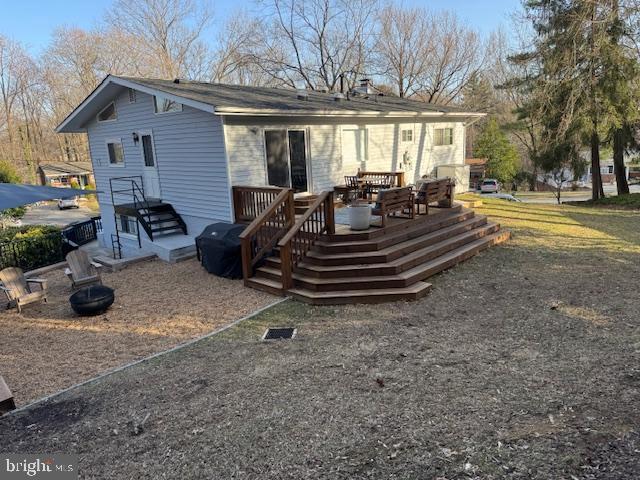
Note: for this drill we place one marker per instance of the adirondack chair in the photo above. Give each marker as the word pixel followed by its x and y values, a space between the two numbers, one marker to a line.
pixel 82 270
pixel 19 289
pixel 440 190
pixel 6 398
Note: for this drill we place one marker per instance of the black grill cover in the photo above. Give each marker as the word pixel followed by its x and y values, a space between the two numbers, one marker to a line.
pixel 219 249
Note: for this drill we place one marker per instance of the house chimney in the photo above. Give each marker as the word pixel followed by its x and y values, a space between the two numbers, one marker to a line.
pixel 176 80
pixel 365 83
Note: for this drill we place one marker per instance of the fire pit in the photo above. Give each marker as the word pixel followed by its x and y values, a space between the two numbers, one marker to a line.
pixel 92 300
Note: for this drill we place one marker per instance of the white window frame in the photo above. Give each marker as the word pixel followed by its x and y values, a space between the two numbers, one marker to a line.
pixel 405 133
pixel 444 129
pixel 124 157
pixel 133 95
pixel 155 105
pixel 115 110
pixel 122 233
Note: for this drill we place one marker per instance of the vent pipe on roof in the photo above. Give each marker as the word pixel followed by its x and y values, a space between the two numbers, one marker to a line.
pixel 176 80
pixel 323 89
pixel 303 94
pixel 338 97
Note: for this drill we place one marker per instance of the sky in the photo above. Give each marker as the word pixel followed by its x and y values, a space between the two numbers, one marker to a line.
pixel 32 21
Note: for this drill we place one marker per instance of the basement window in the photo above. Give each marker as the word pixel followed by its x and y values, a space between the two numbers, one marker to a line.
pixel 164 105
pixel 279 333
pixel 128 225
pixel 108 113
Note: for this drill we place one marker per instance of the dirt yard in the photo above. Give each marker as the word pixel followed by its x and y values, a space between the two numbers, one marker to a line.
pixel 48 347
pixel 522 363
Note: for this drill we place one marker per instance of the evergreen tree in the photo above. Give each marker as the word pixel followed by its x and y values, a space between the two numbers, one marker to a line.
pixel 502 156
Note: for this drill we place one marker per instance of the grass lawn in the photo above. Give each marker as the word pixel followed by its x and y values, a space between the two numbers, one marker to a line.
pixel 630 201
pixel 521 363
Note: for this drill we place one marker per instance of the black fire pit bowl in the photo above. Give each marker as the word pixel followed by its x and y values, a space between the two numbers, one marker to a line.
pixel 91 300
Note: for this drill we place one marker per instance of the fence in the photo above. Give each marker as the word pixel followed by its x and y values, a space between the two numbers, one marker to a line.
pixel 34 252
pixel 83 232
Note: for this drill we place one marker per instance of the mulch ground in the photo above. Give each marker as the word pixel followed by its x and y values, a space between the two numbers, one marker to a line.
pixel 521 363
pixel 158 305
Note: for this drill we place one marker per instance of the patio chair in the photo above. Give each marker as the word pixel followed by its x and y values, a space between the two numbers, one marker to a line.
pixel 82 271
pixel 440 190
pixel 18 288
pixel 393 200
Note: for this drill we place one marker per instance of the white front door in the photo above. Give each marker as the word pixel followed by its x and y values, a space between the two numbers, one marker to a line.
pixel 354 150
pixel 149 166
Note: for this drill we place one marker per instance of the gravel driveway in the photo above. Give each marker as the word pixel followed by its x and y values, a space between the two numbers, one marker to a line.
pixel 49 214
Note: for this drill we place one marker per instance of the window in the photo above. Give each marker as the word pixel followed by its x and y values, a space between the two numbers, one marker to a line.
pixel 132 95
pixel 116 153
pixel 128 225
pixel 407 135
pixel 108 113
pixel 443 136
pixel 164 105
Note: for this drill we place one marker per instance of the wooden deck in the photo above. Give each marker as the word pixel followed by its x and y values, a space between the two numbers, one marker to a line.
pixel 320 262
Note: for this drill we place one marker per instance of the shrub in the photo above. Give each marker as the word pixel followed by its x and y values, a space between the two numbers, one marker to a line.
pixel 30 247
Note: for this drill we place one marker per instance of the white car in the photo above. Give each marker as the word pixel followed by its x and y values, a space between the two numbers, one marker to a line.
pixel 489 185
pixel 73 202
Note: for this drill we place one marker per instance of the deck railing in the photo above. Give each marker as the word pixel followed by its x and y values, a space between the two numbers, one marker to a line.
pixel 316 221
pixel 250 202
pixel 268 226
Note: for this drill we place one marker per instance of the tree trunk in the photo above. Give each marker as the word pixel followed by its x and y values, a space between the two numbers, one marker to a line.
pixel 618 162
pixel 596 179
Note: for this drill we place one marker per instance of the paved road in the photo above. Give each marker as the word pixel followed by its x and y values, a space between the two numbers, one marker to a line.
pixel 550 198
pixel 48 214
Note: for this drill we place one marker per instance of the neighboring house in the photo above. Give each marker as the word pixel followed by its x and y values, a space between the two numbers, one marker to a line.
pixel 477 168
pixel 606 167
pixel 61 174
pixel 187 143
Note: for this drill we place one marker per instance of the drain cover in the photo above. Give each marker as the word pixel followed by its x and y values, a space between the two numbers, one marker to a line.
pixel 276 333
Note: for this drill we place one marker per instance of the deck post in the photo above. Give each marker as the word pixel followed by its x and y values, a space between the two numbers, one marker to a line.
pixel 290 210
pixel 286 267
pixel 246 259
pixel 330 215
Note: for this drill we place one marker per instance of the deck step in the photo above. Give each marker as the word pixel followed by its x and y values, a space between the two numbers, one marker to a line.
pixel 446 256
pixel 354 246
pixel 265 284
pixel 395 251
pixel 404 262
pixel 413 292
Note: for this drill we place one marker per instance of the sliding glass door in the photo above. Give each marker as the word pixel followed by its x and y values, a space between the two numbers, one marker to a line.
pixel 286 152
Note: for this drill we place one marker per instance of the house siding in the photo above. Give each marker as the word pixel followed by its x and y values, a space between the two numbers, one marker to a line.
pixel 190 155
pixel 386 151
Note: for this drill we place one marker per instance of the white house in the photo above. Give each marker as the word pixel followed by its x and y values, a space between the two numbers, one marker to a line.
pixel 178 147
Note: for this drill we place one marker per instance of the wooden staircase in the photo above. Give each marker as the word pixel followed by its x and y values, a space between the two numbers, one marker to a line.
pixel 381 265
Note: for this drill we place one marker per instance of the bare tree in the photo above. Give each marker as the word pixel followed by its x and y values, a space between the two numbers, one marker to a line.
pixel 457 53
pixel 168 33
pixel 315 42
pixel 403 47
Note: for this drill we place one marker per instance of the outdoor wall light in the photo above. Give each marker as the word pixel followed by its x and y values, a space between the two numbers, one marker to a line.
pixel 136 138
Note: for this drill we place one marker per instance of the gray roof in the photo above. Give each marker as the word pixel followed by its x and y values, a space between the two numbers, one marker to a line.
pixel 54 169
pixel 222 99
pixel 237 97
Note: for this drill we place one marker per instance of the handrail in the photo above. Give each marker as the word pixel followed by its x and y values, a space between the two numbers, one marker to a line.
pixel 249 202
pixel 316 221
pixel 262 234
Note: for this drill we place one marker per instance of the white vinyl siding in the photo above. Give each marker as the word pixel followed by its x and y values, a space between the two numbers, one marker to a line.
pixel 443 136
pixel 189 152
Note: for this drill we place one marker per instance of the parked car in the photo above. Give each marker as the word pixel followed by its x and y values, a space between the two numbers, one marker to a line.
pixel 489 185
pixel 73 202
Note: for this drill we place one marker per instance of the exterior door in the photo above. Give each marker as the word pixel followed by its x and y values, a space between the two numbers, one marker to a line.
pixel 286 152
pixel 354 150
pixel 150 166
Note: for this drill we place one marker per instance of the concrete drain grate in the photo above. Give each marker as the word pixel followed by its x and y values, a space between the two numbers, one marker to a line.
pixel 279 333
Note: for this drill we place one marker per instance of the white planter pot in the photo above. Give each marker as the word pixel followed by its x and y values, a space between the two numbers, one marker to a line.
pixel 359 216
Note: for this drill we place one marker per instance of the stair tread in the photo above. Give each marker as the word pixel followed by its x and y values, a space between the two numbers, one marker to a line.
pixel 414 288
pixel 265 281
pixel 392 248
pixel 375 241
pixel 398 261
pixel 162 229
pixel 406 275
